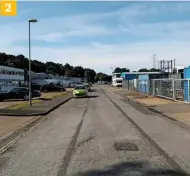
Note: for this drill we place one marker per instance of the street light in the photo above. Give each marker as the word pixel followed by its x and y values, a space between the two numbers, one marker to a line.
pixel 30 91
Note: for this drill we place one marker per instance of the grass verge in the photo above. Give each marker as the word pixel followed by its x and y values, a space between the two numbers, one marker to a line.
pixel 53 95
pixel 37 100
pixel 22 105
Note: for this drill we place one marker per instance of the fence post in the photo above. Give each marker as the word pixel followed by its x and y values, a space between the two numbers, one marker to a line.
pixel 148 86
pixel 188 89
pixel 173 89
pixel 153 88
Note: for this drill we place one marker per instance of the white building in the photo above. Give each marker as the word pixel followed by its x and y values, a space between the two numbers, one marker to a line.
pixel 10 77
pixel 117 81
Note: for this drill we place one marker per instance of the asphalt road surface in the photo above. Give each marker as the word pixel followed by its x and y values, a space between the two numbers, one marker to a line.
pixel 86 137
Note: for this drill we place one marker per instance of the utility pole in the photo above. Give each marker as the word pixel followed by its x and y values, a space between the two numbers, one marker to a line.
pixel 29 47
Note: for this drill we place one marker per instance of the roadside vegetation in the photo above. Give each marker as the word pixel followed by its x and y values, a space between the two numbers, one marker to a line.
pixel 44 97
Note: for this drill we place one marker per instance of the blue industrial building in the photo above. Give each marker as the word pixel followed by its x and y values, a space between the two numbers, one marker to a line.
pixel 143 85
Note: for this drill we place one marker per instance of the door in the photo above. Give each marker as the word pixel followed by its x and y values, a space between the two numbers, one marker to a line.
pixel 14 93
pixel 23 92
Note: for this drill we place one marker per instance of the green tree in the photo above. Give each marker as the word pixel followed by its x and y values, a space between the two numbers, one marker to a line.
pixel 143 70
pixel 154 70
pixel 120 70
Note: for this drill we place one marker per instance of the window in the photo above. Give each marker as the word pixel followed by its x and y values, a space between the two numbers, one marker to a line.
pixel 23 90
pixel 15 90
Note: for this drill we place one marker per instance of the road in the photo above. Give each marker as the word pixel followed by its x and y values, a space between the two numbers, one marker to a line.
pixel 87 137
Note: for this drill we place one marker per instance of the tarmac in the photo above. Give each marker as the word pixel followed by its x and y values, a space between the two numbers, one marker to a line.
pixel 177 111
pixel 91 137
pixel 15 123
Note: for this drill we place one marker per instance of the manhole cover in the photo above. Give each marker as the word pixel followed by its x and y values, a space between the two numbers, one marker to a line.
pixel 126 145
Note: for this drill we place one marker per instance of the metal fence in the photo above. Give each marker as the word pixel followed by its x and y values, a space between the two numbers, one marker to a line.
pixel 175 89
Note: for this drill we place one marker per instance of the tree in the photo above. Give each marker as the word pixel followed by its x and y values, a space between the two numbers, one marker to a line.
pixel 103 77
pixel 20 61
pixel 120 70
pixel 154 70
pixel 90 74
pixel 143 70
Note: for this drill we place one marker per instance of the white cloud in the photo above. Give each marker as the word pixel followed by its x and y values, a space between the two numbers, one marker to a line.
pixel 103 56
pixel 87 24
pixel 50 37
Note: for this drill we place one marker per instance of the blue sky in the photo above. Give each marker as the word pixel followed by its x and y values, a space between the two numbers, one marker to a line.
pixel 100 35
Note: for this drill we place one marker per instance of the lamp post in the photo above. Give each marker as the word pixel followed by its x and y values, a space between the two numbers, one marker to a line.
pixel 30 90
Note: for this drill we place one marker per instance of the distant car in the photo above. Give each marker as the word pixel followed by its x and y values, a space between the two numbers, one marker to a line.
pixel 74 84
pixel 18 93
pixel 80 91
pixel 52 88
pixel 88 86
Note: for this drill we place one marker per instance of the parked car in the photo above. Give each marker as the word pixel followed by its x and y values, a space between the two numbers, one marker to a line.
pixel 74 84
pixel 66 83
pixel 80 91
pixel 52 88
pixel 18 93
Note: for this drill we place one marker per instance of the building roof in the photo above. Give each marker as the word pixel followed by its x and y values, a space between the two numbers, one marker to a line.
pixel 133 75
pixel 11 68
pixel 141 73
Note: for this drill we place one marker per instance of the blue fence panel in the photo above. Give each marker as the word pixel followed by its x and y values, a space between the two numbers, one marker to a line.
pixel 144 84
pixel 186 88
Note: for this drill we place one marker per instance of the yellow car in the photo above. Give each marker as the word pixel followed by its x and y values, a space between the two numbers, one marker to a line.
pixel 80 91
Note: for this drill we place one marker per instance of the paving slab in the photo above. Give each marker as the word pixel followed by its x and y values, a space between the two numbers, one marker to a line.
pixel 154 101
pixel 183 117
pixel 8 124
pixel 173 108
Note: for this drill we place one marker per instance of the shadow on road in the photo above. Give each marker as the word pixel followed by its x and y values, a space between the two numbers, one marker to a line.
pixel 93 96
pixel 131 169
pixel 93 90
pixel 44 99
pixel 89 96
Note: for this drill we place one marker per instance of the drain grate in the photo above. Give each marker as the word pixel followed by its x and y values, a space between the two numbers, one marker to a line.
pixel 126 145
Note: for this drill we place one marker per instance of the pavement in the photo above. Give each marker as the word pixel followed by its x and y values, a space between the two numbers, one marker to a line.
pixel 40 108
pixel 174 110
pixel 99 136
pixel 9 124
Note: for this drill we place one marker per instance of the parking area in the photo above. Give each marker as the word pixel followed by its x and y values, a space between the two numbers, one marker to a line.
pixel 17 103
